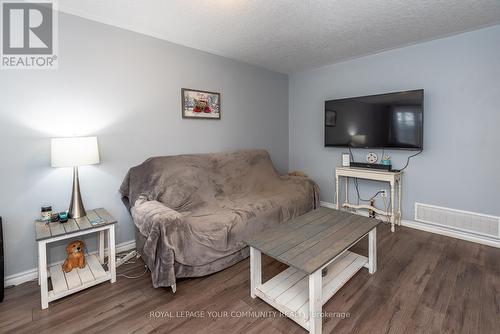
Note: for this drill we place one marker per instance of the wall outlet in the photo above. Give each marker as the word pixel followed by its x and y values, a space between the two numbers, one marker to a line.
pixel 383 193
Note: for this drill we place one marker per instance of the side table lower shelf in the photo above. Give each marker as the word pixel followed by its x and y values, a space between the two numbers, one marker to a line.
pixel 64 284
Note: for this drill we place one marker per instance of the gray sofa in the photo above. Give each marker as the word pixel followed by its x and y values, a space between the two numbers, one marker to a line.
pixel 193 211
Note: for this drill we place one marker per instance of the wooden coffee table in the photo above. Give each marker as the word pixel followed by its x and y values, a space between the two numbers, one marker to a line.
pixel 308 244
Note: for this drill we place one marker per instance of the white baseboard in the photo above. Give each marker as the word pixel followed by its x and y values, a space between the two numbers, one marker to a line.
pixel 435 229
pixel 32 274
pixel 327 205
pixel 451 233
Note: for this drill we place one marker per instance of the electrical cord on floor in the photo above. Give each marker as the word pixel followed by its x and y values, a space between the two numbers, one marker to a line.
pixel 135 277
pixel 119 256
pixel 129 262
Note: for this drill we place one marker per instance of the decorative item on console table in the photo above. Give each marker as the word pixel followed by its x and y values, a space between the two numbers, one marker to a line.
pixel 371 158
pixel 346 159
pixel 46 212
pixel 386 160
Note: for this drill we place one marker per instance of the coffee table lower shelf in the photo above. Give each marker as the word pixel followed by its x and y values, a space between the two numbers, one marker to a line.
pixel 288 291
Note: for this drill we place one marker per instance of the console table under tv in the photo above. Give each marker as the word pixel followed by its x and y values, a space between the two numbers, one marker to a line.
pixel 393 178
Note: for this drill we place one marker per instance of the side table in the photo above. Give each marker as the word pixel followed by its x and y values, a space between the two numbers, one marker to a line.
pixel 63 284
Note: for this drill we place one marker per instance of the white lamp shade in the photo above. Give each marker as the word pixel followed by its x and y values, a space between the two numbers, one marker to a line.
pixel 75 151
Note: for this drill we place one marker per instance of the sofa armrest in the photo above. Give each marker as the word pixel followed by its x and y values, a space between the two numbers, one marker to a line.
pixel 157 223
pixel 148 214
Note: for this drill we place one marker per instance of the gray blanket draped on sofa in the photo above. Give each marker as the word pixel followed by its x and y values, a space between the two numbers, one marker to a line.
pixel 193 211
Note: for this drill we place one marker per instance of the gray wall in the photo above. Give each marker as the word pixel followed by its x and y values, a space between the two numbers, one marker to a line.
pixel 125 88
pixel 460 164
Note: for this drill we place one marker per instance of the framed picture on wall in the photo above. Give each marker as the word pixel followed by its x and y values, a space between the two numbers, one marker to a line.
pixel 200 104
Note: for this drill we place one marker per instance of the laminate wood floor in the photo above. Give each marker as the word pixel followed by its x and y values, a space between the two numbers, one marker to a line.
pixel 425 283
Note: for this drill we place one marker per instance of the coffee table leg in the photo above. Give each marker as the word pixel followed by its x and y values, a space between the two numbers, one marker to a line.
pixel 372 251
pixel 315 302
pixel 255 270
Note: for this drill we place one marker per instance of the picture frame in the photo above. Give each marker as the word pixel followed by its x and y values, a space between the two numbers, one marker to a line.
pixel 200 104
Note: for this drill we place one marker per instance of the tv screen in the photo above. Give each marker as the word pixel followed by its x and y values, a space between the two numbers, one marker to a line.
pixel 394 120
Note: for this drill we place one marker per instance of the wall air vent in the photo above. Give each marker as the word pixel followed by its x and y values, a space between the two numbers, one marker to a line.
pixel 464 221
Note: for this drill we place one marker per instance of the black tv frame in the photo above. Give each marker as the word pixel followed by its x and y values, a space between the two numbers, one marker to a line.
pixel 421 148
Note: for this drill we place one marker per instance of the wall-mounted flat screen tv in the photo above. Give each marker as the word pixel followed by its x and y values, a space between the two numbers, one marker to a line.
pixel 392 121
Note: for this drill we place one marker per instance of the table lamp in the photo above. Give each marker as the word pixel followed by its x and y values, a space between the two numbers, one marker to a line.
pixel 74 152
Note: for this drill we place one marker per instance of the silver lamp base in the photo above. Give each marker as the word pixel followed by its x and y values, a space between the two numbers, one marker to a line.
pixel 76 208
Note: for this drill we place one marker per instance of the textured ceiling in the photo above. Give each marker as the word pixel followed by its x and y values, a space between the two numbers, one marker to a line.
pixel 291 35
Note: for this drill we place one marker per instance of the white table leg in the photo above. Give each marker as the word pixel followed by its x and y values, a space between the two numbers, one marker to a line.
pixel 111 255
pixel 315 302
pixel 346 190
pixel 44 284
pixel 372 251
pixel 38 261
pixel 100 242
pixel 255 270
pixel 337 192
pixel 393 212
pixel 400 181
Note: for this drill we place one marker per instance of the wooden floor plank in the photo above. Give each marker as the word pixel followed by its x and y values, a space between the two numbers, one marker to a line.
pixel 424 284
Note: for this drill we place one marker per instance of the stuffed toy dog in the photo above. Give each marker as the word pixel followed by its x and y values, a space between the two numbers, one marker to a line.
pixel 76 257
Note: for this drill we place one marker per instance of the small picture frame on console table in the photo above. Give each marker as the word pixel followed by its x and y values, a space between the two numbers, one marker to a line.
pixel 199 104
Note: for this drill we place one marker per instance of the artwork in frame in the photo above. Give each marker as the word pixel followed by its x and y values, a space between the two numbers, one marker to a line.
pixel 200 104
